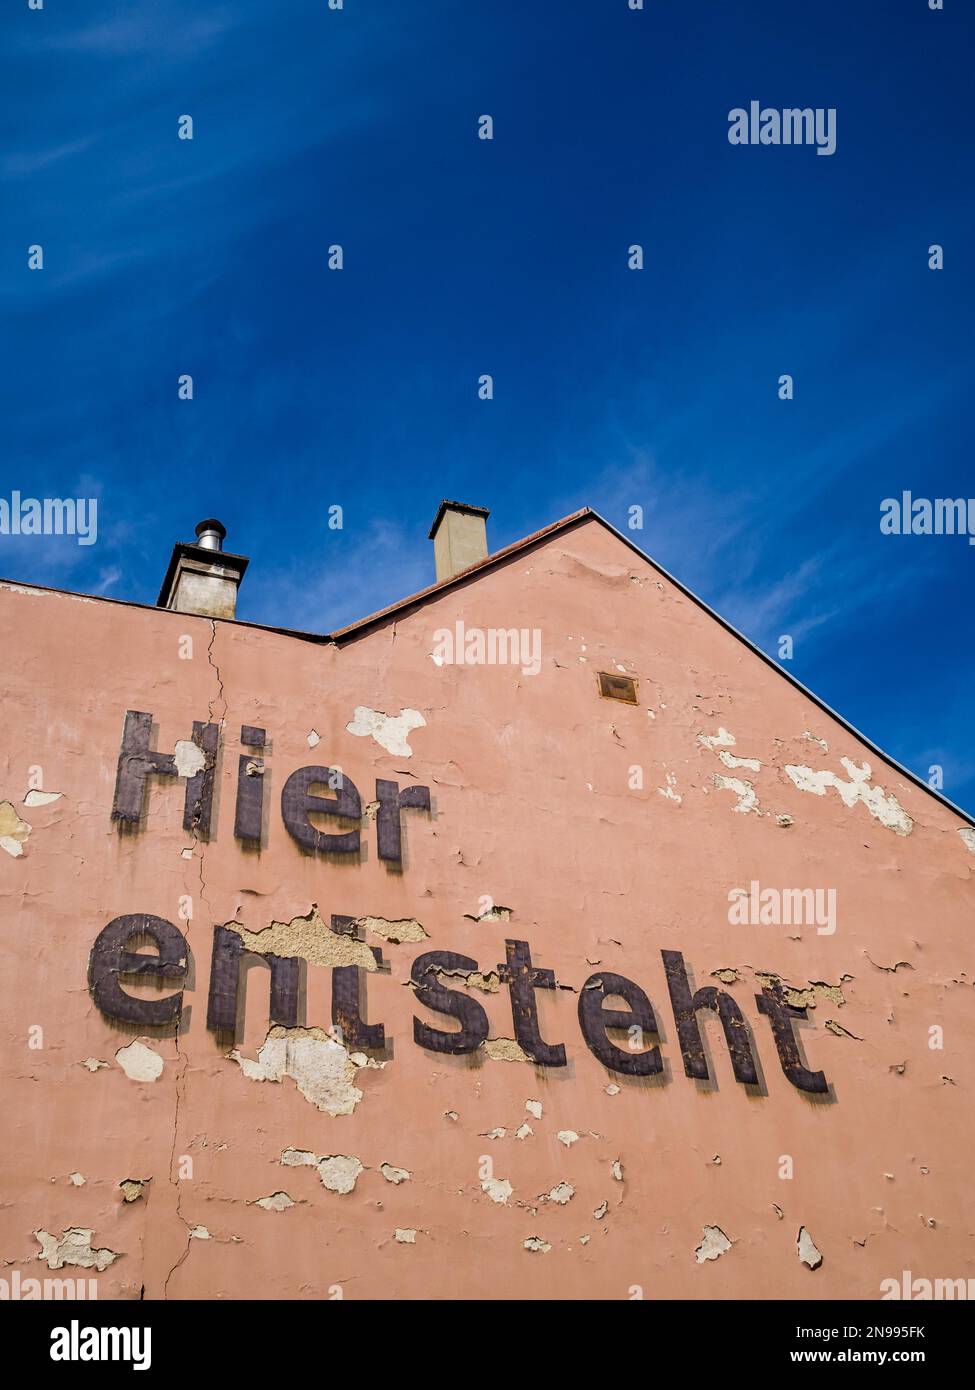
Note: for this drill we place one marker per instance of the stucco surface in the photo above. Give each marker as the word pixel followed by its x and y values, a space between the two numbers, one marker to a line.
pixel 535 809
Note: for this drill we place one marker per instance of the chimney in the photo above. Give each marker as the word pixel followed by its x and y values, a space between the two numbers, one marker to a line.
pixel 459 535
pixel 203 578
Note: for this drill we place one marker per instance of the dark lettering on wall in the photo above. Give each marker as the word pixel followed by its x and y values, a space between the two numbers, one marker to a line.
pixel 689 1034
pixel 137 761
pixel 522 979
pixel 780 1015
pixel 297 803
pixel 250 787
pixel 392 802
pixel 349 996
pixel 225 994
pixel 596 1020
pixel 110 959
pixel 452 1002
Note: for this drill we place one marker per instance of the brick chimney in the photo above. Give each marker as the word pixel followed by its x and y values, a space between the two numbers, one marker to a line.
pixel 203 578
pixel 459 535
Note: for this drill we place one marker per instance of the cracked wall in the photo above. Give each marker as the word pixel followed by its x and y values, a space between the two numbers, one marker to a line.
pixel 462 1175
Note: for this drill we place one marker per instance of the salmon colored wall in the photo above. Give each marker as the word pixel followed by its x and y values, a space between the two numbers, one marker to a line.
pixel 533 808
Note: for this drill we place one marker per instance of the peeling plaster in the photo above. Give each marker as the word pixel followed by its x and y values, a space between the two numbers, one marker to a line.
pixel 498 1189
pixel 394 1175
pixel 200 1233
pixel 405 1235
pixel 140 1063
pixel 806 1249
pixel 568 1137
pixel 309 938
pixel 669 791
pixel 493 914
pixel 504 1050
pixel 73 1248
pixel 395 932
pixel 13 831
pixel 714 1244
pixel 747 796
pixel 883 806
pixel 133 1188
pixel 190 758
pixel 475 979
pixel 523 1131
pixel 535 1243
pixel 338 1172
pixel 93 1063
pixel 76 1180
pixel 722 739
pixel 36 798
pixel 321 1067
pixel 562 1193
pixel 601 1210
pixel 278 1201
pixel 968 835
pixel 534 1108
pixel 730 760
pixel 389 731
pixel 617 1169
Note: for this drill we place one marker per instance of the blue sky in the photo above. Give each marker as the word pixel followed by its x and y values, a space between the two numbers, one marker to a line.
pixel 612 387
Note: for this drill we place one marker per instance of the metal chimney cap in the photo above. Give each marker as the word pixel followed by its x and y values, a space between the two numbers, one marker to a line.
pixel 210 534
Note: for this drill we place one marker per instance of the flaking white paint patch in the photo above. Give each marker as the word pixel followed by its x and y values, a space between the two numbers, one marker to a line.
pixel 73 1247
pixel 722 739
pixel 339 1172
pixel 968 836
pixel 76 1180
pixel 523 1131
pixel 200 1233
pixel 190 758
pixel 669 791
pixel 498 1189
pixel 278 1201
pixel 394 1175
pixel 537 1245
pixel 745 792
pixel 36 798
pixel 561 1193
pixel 568 1137
pixel 730 760
pixel 405 1235
pixel 714 1244
pixel 534 1108
pixel 883 806
pixel 390 731
pixel 93 1063
pixel 140 1063
pixel 806 1249
pixel 322 1069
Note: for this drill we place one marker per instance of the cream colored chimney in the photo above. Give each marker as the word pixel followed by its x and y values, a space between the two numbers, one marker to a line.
pixel 459 535
pixel 203 578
